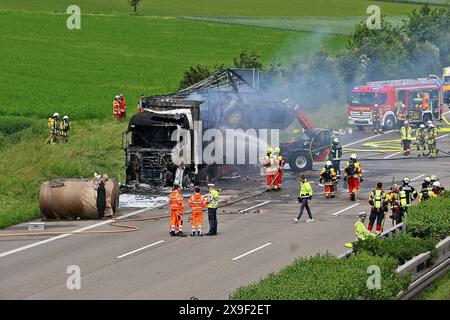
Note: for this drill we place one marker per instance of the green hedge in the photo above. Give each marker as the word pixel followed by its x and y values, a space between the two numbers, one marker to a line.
pixel 401 246
pixel 325 277
pixel 430 219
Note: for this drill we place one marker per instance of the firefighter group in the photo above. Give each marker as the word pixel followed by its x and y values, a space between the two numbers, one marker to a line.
pixel 119 107
pixel 58 128
pixel 397 199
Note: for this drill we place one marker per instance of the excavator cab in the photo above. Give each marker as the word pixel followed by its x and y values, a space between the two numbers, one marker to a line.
pixel 313 145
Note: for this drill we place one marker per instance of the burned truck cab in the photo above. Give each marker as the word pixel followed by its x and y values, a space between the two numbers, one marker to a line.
pixel 152 141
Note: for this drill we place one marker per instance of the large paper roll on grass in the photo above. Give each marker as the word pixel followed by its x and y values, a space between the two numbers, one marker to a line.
pixel 78 198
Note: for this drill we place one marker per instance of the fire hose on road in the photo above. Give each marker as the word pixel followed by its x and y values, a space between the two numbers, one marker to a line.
pixel 119 223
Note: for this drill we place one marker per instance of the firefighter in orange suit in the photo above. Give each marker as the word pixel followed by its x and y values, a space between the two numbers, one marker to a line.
pixel 123 106
pixel 271 169
pixel 176 212
pixel 197 202
pixel 116 108
pixel 353 174
pixel 279 163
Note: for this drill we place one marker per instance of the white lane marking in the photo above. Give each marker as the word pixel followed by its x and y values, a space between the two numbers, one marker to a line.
pixel 35 244
pixel 365 139
pixel 345 209
pixel 414 179
pixel 445 135
pixel 140 249
pixel 251 251
pixel 258 205
pixel 391 155
pixel 445 113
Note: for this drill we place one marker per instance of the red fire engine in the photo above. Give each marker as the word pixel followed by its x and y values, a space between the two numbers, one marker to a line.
pixel 417 100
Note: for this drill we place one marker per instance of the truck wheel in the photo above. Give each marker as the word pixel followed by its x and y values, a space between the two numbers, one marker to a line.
pixel 389 123
pixel 300 162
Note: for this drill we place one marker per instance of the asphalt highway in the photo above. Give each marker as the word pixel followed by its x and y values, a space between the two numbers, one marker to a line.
pixel 256 237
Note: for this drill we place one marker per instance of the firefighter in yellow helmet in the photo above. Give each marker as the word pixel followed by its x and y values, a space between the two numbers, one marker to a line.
pixel 53 126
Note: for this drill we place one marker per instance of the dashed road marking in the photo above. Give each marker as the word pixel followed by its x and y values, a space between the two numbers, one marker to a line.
pixel 345 209
pixel 391 155
pixel 251 251
pixel 140 249
pixel 258 205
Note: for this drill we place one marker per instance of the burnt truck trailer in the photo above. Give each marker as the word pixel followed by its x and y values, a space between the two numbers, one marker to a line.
pixel 222 101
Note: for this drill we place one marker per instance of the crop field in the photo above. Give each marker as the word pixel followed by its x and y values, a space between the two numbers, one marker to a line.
pixel 171 8
pixel 48 68
pixel 333 25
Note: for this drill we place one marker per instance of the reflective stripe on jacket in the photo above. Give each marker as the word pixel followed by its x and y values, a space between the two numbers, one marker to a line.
pixel 406 134
pixel 176 201
pixel 378 198
pixel 305 189
pixel 197 202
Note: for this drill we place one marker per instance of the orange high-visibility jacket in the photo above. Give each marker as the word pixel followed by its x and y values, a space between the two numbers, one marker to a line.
pixel 176 201
pixel 116 107
pixel 197 202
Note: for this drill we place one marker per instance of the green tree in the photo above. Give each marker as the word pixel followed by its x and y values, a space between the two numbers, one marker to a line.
pixel 248 59
pixel 134 4
pixel 433 26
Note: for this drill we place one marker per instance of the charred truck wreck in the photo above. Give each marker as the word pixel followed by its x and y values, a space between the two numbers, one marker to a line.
pixel 222 101
pixel 149 146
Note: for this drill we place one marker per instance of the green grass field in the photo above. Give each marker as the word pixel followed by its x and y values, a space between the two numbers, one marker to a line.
pixel 48 68
pixel 170 8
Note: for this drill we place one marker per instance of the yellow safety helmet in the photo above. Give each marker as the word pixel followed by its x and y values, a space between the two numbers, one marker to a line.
pixel 277 150
pixel 269 150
